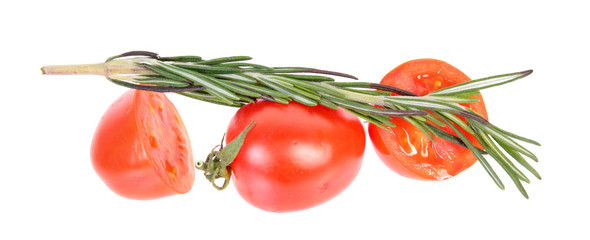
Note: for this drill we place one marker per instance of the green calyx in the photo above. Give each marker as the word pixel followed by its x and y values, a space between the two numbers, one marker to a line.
pixel 216 165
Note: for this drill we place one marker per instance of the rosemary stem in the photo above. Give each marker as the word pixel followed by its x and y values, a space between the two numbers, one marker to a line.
pixel 102 69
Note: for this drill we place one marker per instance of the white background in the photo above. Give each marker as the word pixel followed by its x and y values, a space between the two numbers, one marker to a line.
pixel 49 189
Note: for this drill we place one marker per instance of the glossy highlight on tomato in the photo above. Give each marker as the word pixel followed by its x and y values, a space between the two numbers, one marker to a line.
pixel 141 149
pixel 296 156
pixel 405 149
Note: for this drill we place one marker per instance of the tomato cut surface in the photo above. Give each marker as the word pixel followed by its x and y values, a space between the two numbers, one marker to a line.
pixel 141 149
pixel 296 156
pixel 405 149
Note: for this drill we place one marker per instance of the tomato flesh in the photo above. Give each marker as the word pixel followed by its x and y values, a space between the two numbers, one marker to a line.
pixel 296 156
pixel 405 149
pixel 141 149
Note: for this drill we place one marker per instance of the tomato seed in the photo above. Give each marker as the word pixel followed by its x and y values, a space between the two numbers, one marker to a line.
pixel 182 146
pixel 437 84
pixel 153 140
pixel 151 109
pixel 171 170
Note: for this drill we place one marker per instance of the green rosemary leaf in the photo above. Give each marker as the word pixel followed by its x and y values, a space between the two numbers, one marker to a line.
pixel 517 182
pixel 238 90
pixel 424 103
pixel 473 115
pixel 380 121
pixel 384 120
pixel 383 126
pixel 236 77
pixel 223 98
pixel 182 59
pixel 290 87
pixel 157 78
pixel 154 88
pixel 202 80
pixel 145 76
pixel 355 106
pixel 266 79
pixel 475 152
pixel 311 78
pixel 166 74
pixel 520 159
pixel 510 163
pixel 458 121
pixel 506 140
pixel 225 60
pixel 424 128
pixel 209 98
pixel 512 135
pixel 258 89
pixel 282 100
pixel 134 53
pixel 452 138
pixel 316 96
pixel 318 87
pixel 162 82
pixel 303 100
pixel 435 120
pixel 208 69
pixel 364 117
pixel 279 70
pixel 398 91
pixel 479 84
pixel 370 109
pixel 465 94
pixel 352 85
pixel 302 70
pixel 308 91
pixel 420 118
pixel 454 99
pixel 294 94
pixel 245 100
pixel 382 88
pixel 326 102
pixel 519 186
pixel 504 162
pixel 325 72
pixel 368 92
pixel 497 154
pixel 243 64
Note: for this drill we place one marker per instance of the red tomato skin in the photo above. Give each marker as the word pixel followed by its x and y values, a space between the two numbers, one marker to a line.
pixel 125 159
pixel 295 157
pixel 407 151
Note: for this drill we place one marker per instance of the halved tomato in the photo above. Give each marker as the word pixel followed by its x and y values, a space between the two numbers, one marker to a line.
pixel 405 149
pixel 141 149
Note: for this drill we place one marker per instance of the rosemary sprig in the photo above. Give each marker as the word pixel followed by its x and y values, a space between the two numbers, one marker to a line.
pixel 232 82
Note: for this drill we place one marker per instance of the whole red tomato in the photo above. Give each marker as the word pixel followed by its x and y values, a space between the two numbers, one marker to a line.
pixel 405 149
pixel 141 149
pixel 296 156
